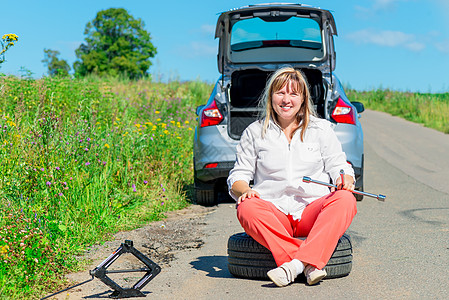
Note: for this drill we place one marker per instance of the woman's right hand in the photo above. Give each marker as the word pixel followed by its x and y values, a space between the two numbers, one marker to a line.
pixel 249 193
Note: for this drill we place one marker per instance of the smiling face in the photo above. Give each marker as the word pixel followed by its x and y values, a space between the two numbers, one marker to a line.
pixel 286 103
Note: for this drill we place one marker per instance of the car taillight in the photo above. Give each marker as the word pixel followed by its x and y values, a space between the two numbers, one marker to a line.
pixel 211 166
pixel 211 115
pixel 343 113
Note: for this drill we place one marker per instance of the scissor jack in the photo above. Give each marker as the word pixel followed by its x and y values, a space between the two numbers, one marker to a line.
pixel 151 270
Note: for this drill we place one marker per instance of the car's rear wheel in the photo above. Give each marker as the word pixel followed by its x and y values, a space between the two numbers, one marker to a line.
pixel 205 193
pixel 357 196
pixel 359 182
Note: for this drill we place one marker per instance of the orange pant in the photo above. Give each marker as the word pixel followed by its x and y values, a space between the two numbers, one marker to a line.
pixel 323 222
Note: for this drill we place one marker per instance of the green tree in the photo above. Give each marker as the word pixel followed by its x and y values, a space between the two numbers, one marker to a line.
pixel 55 65
pixel 115 44
pixel 6 42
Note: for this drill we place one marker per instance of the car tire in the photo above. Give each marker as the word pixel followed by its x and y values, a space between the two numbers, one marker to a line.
pixel 359 182
pixel 204 193
pixel 205 197
pixel 357 196
pixel 248 259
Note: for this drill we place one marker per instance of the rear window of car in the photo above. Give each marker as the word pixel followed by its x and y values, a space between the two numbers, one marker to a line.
pixel 294 32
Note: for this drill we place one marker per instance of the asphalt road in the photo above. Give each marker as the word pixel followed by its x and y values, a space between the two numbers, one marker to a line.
pixel 400 247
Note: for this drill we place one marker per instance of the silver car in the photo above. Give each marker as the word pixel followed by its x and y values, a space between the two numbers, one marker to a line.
pixel 254 41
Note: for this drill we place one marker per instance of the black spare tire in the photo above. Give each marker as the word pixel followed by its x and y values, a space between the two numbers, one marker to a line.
pixel 248 259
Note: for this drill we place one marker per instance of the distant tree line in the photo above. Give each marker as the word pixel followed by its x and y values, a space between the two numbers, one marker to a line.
pixel 115 44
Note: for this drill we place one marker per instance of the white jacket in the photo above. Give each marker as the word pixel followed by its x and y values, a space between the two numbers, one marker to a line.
pixel 278 167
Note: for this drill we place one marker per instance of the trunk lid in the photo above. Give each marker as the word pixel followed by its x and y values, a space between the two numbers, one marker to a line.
pixel 267 36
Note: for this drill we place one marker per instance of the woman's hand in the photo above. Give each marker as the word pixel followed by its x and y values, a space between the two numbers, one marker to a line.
pixel 347 185
pixel 243 191
pixel 249 193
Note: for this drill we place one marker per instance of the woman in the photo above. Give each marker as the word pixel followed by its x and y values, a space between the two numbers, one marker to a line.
pixel 276 152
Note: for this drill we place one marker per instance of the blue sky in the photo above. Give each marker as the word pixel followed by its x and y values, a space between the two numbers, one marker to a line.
pixel 397 44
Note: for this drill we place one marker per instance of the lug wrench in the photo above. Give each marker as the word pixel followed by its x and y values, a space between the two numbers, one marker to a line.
pixel 378 197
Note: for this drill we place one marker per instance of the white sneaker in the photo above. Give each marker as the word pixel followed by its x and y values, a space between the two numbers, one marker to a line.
pixel 314 275
pixel 283 275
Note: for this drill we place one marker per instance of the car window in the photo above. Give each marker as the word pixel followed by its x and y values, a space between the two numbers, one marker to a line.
pixel 293 32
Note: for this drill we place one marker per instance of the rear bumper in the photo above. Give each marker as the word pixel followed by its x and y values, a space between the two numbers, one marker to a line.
pixel 211 174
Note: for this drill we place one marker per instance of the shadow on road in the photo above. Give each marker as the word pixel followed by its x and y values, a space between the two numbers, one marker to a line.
pixel 356 238
pixel 427 215
pixel 216 266
pixel 107 294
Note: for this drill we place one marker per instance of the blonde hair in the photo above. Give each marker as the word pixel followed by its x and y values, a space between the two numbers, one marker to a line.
pixel 276 82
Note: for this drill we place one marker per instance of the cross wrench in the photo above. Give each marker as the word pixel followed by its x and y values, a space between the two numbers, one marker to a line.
pixel 378 197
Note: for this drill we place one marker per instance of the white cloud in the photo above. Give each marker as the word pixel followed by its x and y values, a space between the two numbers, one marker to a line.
pixel 443 46
pixel 379 5
pixel 241 35
pixel 386 38
pixel 208 29
pixel 385 4
pixel 198 49
pixel 415 46
pixel 202 48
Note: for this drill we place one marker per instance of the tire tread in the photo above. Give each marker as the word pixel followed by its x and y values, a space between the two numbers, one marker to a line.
pixel 249 259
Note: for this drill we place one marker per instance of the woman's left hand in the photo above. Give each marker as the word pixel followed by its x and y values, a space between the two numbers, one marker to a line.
pixel 348 184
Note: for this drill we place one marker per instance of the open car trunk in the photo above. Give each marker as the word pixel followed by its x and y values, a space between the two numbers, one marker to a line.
pixel 245 92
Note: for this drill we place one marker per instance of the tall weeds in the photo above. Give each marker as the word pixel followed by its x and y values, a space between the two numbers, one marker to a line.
pixel 81 159
pixel 431 110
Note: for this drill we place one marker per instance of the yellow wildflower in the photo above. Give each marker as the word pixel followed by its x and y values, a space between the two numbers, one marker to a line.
pixel 4 249
pixel 157 112
pixel 106 145
pixel 11 37
pixel 158 120
pixel 187 122
pixel 137 125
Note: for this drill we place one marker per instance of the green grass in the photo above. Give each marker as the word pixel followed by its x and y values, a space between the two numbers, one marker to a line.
pixel 81 159
pixel 431 110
